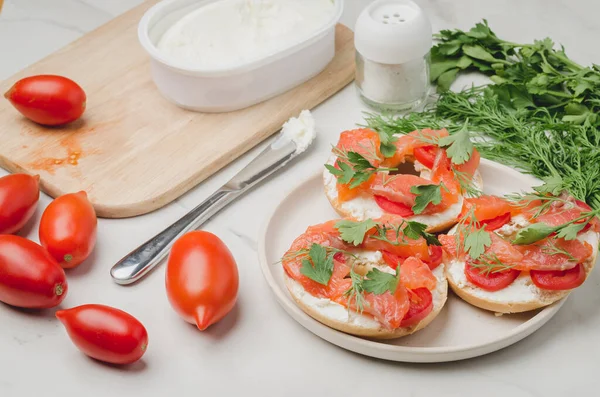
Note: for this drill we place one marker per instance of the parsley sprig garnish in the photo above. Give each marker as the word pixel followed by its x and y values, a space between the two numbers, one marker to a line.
pixel 317 261
pixel 548 195
pixel 376 282
pixel 471 236
pixel 354 232
pixel 568 230
pixel 355 169
pixel 425 195
pixel 459 147
pixel 319 264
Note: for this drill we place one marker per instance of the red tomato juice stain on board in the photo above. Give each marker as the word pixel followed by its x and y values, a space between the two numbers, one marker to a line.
pixel 74 153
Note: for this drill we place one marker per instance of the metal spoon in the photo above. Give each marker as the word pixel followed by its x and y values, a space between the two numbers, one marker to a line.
pixel 140 261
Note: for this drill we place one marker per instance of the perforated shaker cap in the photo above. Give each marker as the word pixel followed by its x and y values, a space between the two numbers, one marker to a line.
pixel 393 32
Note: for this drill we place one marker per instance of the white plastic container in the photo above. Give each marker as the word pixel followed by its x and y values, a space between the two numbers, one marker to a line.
pixel 223 90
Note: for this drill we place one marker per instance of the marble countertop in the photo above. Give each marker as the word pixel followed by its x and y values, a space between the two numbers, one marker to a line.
pixel 258 347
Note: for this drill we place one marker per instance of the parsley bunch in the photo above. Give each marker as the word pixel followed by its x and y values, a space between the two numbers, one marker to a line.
pixel 527 75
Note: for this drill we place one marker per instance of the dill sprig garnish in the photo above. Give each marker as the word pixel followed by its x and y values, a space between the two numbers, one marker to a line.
pixel 490 263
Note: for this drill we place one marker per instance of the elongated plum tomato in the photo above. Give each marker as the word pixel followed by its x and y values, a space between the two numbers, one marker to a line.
pixel 19 194
pixel 201 278
pixel 29 276
pixel 68 229
pixel 105 333
pixel 48 99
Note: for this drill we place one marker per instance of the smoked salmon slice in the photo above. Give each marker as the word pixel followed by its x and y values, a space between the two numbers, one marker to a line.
pixel 365 142
pixel 546 254
pixel 406 145
pixel 397 243
pixel 326 235
pixel 501 249
pixel 416 274
pixel 397 188
pixel 387 308
pixel 487 207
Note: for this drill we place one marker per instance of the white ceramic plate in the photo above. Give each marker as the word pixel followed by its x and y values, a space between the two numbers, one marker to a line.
pixel 460 331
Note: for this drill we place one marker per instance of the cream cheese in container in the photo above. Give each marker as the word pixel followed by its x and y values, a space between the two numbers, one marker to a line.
pixel 218 56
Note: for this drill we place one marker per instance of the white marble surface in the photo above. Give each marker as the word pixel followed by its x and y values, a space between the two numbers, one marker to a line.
pixel 258 347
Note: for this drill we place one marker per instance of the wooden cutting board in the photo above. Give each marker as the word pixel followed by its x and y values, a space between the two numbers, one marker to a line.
pixel 133 152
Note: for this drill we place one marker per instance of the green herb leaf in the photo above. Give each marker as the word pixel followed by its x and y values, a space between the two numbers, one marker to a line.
pixel 478 52
pixel 481 31
pixel 446 79
pixel 378 282
pixel 533 233
pixel 354 232
pixel 425 194
pixel 359 162
pixel 431 239
pixel 464 62
pixel 553 185
pixel 319 267
pixel 476 242
pixel 414 230
pixel 569 232
pixel 344 174
pixel 438 68
pixel 459 146
pixel 387 139
pixel 449 48
pixel 355 169
pixel 387 149
pixel 356 291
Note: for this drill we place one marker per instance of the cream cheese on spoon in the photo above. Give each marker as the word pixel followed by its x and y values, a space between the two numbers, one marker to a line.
pixel 229 33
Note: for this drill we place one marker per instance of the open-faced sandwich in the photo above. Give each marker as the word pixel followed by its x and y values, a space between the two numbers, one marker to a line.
pixel 423 176
pixel 521 254
pixel 374 278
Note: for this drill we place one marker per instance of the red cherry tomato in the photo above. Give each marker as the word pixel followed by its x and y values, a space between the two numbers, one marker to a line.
pixel 393 207
pixel 29 276
pixel 105 333
pixel 491 281
pixel 201 279
pixel 426 155
pixel 19 194
pixel 497 222
pixel 559 280
pixel 391 259
pixel 583 205
pixel 68 229
pixel 48 99
pixel 421 304
pixel 436 254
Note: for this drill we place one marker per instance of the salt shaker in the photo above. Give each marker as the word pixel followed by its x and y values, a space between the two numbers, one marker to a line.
pixel 393 39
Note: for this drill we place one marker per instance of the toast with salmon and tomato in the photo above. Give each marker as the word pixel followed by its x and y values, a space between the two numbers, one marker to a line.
pixel 511 256
pixel 380 279
pixel 420 177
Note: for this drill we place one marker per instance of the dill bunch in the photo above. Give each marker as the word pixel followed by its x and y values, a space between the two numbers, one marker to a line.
pixel 532 140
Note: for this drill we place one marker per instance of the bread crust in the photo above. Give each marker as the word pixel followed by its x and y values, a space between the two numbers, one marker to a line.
pixel 549 297
pixel 380 333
